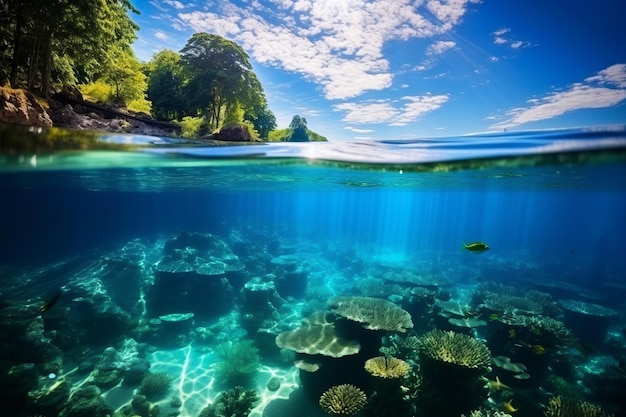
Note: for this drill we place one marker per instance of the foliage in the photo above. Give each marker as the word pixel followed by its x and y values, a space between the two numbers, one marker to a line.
pixel 296 132
pixel 238 361
pixel 279 135
pixel 235 402
pixel 154 385
pixel 263 120
pixel 98 91
pixel 56 43
pixel 123 71
pixel 191 127
pixel 165 85
pixel 219 75
pixel 298 129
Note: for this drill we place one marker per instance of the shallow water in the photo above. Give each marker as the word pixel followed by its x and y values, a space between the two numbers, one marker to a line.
pixel 95 216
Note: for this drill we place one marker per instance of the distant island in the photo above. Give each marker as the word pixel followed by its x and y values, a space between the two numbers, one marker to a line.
pixel 80 71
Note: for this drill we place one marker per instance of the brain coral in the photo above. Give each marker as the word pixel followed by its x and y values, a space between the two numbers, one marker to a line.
pixel 343 400
pixel 373 313
pixel 455 348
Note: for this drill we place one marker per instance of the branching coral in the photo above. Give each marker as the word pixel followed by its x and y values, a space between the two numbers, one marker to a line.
pixel 571 407
pixel 455 348
pixel 343 400
pixel 373 313
pixel 235 402
pixel 154 385
pixel 239 360
pixel 387 367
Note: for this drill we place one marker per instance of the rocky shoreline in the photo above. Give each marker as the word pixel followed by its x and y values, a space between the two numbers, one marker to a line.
pixel 21 107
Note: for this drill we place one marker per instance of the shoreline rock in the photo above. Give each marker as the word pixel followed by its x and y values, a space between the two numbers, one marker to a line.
pixel 21 107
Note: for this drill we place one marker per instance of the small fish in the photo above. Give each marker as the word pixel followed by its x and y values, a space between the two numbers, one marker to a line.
pixel 476 247
pixel 508 407
pixel 621 365
pixel 496 385
pixel 512 333
pixel 494 317
pixel 50 303
pixel 537 349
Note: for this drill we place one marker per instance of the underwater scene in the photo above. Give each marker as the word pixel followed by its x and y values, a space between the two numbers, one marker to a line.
pixel 469 276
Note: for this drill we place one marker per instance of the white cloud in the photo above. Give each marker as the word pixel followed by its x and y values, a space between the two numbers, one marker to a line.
pixel 500 39
pixel 493 59
pixel 336 44
pixel 161 35
pixel 175 4
pixel 395 114
pixel 440 47
pixel 501 32
pixel 615 74
pixel 355 130
pixel 592 94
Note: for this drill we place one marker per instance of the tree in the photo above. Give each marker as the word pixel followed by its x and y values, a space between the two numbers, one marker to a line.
pixel 123 71
pixel 58 41
pixel 298 129
pixel 165 86
pixel 219 76
pixel 263 120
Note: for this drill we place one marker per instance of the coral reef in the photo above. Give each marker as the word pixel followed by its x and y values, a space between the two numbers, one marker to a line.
pixel 235 402
pixel 86 401
pixel 343 400
pixel 571 407
pixel 452 365
pixel 239 361
pixel 155 385
pixel 387 367
pixel 455 348
pixel 318 335
pixel 372 313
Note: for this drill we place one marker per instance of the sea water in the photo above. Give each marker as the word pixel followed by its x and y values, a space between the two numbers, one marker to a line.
pixel 92 216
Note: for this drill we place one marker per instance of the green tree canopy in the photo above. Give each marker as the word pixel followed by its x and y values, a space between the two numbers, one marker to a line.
pixel 60 42
pixel 165 85
pixel 298 129
pixel 263 120
pixel 219 76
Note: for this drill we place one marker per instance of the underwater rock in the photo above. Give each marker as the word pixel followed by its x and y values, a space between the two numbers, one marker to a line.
pixel 114 364
pixel 86 401
pixel 259 303
pixel 291 283
pixel 52 398
pixel 589 322
pixel 273 384
pixel 194 267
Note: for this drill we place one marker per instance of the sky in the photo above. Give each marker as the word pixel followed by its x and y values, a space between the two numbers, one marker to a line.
pixel 400 69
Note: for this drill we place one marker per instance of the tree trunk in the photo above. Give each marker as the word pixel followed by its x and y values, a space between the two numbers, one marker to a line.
pixel 47 67
pixel 17 36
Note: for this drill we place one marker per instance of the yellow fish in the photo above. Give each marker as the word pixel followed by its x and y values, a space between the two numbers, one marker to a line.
pixel 512 333
pixel 508 407
pixel 476 247
pixel 497 385
pixel 538 349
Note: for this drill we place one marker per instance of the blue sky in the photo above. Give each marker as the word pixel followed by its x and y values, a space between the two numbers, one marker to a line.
pixel 394 69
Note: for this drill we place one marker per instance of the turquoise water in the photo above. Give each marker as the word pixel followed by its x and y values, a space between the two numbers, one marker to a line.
pixel 128 227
